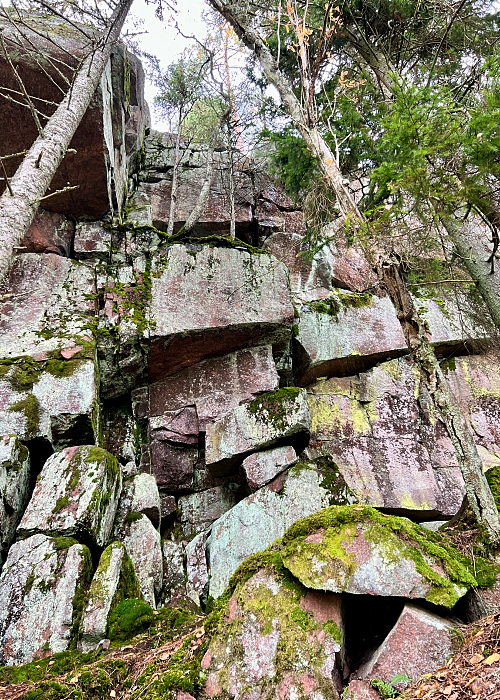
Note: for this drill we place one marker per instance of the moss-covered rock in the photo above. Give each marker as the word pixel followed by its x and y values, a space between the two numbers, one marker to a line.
pixel 113 582
pixel 76 495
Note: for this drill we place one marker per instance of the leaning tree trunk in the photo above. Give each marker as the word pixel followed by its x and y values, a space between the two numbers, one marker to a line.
pixel 478 492
pixel 470 244
pixel 34 175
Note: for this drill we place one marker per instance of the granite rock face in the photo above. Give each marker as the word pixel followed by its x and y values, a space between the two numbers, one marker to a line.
pixel 113 581
pixel 261 633
pixel 48 307
pixel 92 241
pixel 14 488
pixel 76 495
pixel 98 160
pixel 197 569
pixel 212 301
pixel 416 629
pixel 215 386
pixel 40 581
pixel 406 464
pixel 262 423
pixel 200 510
pixel 174 579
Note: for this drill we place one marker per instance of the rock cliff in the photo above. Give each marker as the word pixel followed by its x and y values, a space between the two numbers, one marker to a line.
pixel 224 425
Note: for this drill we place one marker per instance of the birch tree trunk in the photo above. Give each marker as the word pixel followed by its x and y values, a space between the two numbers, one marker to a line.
pixel 478 492
pixel 35 173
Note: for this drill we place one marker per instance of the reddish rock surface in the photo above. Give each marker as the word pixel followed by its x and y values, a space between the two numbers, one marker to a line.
pixel 179 426
pixel 212 301
pixel 172 466
pixel 262 467
pixel 49 233
pixel 92 241
pixel 420 642
pixel 214 386
pixel 360 690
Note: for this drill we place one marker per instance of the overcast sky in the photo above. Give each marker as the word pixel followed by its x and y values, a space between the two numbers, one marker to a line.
pixel 163 40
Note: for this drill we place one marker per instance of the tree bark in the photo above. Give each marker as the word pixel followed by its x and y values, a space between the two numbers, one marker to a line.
pixel 470 245
pixel 34 175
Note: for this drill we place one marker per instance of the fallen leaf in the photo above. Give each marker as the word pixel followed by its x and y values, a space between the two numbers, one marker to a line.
pixel 492 659
pixel 164 657
pixel 453 697
pixel 476 659
pixel 478 687
pixel 448 690
pixel 156 612
pixel 112 694
pixel 51 663
pixel 74 679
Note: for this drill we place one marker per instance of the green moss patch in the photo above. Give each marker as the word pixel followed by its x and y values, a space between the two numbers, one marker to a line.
pixel 274 406
pixel 31 409
pixel 129 618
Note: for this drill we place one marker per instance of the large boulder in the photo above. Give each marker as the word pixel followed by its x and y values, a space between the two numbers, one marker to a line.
pixel 76 495
pixel 416 630
pixel 262 467
pixel 264 422
pixel 358 550
pixel 49 233
pixel 113 581
pixel 216 385
pixel 261 518
pixel 208 301
pixel 382 422
pixel 199 510
pixel 275 642
pixel 14 488
pixel 43 587
pixel 103 145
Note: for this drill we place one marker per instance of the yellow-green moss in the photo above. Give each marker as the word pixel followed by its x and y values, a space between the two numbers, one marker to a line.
pixel 31 409
pixel 274 406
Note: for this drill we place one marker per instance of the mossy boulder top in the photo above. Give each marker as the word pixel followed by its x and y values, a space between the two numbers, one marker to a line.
pixel 358 550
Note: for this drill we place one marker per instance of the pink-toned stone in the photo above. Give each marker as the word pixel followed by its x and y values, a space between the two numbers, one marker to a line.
pixel 353 421
pixel 248 428
pixel 325 607
pixel 47 306
pixel 168 505
pixel 420 642
pixel 196 568
pixel 182 695
pixel 360 690
pixel 275 194
pixel 335 265
pixel 179 426
pixel 199 510
pixel 259 637
pixel 294 222
pixel 212 301
pixel 262 467
pixel 49 233
pixel 214 386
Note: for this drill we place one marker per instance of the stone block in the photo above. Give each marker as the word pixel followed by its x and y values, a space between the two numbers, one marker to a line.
pixel 14 488
pixel 49 233
pixel 262 467
pixel 416 629
pixel 262 423
pixel 47 307
pixel 269 642
pixel 374 559
pixel 139 495
pixel 168 505
pixel 210 301
pixel 143 544
pixel 92 241
pixel 200 510
pixel 345 334
pixel 180 426
pixel 172 465
pixel 76 495
pixel 40 583
pixel 174 573
pixel 360 690
pixel 256 521
pixel 113 581
pixel 214 386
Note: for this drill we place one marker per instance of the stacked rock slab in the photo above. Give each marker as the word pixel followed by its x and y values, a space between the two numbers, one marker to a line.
pixel 14 487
